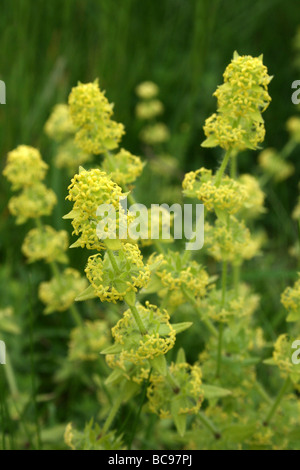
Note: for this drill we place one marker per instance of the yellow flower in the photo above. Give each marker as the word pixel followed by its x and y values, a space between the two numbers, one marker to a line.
pixel 59 294
pixel 69 156
pixel 155 134
pixel 68 436
pixel 59 125
pixel 254 201
pixel 89 190
pixel 91 113
pixel 234 308
pixel 87 341
pixel 149 109
pixel 273 164
pixel 293 127
pixel 220 130
pixel 147 90
pixel 290 299
pixel 34 201
pixel 178 274
pixel 187 399
pixel 231 242
pixel 126 167
pixel 158 340
pixel 46 243
pixel 229 196
pixel 242 98
pixel 282 355
pixel 112 286
pixel 24 167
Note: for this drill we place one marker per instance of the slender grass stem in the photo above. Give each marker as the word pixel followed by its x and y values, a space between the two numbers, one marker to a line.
pixel 277 401
pixel 112 414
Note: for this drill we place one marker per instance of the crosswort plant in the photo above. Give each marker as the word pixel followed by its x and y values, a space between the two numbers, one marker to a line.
pixel 175 335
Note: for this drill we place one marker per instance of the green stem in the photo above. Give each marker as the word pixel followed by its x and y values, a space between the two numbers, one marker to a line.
pixel 277 401
pixel 206 321
pixel 222 168
pixel 112 413
pixel 209 425
pixel 233 166
pixel 236 278
pixel 260 389
pixel 173 382
pixel 113 261
pixel 76 316
pixel 288 148
pixel 138 319
pixel 55 270
pixel 221 326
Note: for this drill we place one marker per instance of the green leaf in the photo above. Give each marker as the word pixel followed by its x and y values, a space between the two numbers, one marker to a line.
pixel 269 362
pixel 239 432
pixel 211 141
pixel 114 349
pixel 115 376
pixel 211 391
pixel 180 327
pixel 159 364
pixel 87 294
pixel 130 298
pixel 72 214
pixel 180 356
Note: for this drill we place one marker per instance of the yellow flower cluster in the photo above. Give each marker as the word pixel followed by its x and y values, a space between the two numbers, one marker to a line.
pixel 33 202
pixel 149 109
pixel 231 242
pixel 235 306
pixel 229 196
pixel 59 293
pixel 89 190
pixel 88 340
pixel 91 113
pixel 126 167
pixel 69 156
pixel 59 125
pixel 179 275
pixel 293 127
pixel 46 243
pixel 242 98
pixel 282 358
pixel 147 90
pixel 112 283
pixel 186 399
pixel 135 373
pixel 254 201
pixel 158 340
pixel 274 165
pixel 24 167
pixel 155 134
pixel 290 299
